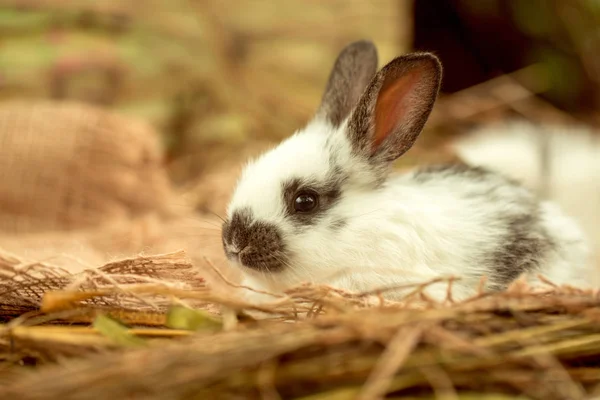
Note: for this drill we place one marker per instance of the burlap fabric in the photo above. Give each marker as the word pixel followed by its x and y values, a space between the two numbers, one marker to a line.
pixel 66 166
pixel 24 283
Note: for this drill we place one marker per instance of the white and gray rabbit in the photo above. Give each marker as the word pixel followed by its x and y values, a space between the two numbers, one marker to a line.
pixel 324 207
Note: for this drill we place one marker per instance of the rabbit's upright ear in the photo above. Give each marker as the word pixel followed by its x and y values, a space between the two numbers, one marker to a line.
pixel 395 106
pixel 353 70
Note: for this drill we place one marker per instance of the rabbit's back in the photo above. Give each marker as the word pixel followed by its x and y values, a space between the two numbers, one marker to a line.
pixel 515 232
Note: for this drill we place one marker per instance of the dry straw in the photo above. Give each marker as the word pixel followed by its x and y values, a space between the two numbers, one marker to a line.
pixel 316 342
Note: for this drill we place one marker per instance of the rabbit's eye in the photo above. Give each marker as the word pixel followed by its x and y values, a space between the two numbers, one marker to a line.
pixel 305 202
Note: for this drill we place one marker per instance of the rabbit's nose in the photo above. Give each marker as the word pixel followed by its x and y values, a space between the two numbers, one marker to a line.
pixel 230 248
pixel 254 244
pixel 233 251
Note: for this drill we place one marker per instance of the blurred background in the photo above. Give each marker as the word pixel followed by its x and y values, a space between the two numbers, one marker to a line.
pixel 216 81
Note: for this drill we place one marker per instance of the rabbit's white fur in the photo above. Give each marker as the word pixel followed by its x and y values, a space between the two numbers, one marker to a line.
pixel 374 230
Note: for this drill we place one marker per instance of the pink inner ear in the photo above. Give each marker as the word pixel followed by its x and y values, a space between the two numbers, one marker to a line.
pixel 393 105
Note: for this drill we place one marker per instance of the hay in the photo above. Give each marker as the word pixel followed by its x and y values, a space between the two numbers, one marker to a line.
pixel 66 166
pixel 319 343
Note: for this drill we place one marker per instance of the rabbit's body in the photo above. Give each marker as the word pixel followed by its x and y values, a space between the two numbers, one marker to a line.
pixel 321 206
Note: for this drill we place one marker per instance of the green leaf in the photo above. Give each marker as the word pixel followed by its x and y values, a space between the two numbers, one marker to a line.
pixel 180 317
pixel 117 332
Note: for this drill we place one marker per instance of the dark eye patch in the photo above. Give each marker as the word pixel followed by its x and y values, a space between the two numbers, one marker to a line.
pixel 327 194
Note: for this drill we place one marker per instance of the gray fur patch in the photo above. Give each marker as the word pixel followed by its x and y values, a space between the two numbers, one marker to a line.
pixel 524 248
pixel 353 69
pixel 435 171
pixel 258 244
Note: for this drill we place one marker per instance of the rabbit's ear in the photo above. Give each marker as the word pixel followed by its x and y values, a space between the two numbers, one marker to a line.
pixel 353 70
pixel 395 106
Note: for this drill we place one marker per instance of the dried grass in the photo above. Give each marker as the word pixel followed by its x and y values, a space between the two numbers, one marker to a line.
pixel 186 340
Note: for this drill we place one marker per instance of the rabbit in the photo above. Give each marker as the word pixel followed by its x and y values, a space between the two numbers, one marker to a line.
pixel 324 207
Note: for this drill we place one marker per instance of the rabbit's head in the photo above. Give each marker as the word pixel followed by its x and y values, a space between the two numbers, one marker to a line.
pixel 290 212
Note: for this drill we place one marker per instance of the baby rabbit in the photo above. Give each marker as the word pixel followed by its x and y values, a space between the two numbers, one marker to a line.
pixel 322 206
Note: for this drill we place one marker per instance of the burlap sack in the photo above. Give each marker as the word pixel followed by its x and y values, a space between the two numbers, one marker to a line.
pixel 23 283
pixel 66 166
